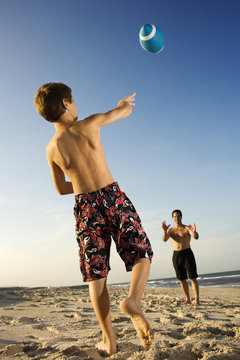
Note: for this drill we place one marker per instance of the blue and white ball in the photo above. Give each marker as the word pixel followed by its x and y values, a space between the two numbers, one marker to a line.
pixel 151 38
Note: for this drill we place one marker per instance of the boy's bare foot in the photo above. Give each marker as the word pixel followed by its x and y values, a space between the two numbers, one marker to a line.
pixel 106 349
pixel 129 307
pixel 188 302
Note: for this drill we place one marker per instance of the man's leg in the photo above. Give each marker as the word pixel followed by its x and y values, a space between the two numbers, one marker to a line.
pixel 132 304
pixel 184 286
pixel 100 301
pixel 195 288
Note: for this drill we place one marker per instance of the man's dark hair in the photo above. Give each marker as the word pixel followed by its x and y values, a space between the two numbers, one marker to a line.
pixel 48 100
pixel 177 211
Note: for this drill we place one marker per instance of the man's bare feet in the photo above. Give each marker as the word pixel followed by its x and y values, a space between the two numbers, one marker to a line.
pixel 105 348
pixel 129 307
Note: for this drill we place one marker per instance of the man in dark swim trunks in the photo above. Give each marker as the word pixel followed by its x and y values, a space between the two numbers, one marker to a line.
pixel 102 210
pixel 183 258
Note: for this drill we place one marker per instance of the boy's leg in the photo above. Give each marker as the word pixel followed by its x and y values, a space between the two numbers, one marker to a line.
pixel 185 290
pixel 132 304
pixel 195 288
pixel 100 301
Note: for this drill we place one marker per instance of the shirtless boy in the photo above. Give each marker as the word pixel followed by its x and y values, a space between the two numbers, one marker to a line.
pixel 102 210
pixel 183 258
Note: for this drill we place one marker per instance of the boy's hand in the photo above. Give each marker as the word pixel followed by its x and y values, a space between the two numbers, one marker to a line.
pixel 127 103
pixel 128 100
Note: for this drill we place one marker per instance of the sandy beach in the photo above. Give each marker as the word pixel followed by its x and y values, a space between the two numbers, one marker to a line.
pixel 59 323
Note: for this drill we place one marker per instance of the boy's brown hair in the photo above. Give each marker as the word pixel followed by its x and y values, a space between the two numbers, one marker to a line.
pixel 48 100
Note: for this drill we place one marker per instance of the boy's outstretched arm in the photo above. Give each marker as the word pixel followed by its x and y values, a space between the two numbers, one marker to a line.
pixel 123 110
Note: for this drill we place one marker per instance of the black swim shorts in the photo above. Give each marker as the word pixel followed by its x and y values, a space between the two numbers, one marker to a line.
pixel 184 264
pixel 101 215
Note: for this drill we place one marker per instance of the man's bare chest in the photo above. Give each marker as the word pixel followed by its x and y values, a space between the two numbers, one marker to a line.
pixel 180 234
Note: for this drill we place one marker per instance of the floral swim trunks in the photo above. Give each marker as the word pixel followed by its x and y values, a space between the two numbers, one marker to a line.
pixel 101 215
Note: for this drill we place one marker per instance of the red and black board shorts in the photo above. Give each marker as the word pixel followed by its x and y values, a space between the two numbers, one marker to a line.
pixel 101 215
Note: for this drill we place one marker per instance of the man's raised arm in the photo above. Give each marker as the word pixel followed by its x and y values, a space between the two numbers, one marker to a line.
pixel 192 231
pixel 166 231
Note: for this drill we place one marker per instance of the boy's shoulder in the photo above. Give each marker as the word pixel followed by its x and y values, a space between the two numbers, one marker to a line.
pixel 51 145
pixel 51 142
pixel 58 136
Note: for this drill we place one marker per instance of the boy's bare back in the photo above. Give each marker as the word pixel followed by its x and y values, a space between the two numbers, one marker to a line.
pixel 78 152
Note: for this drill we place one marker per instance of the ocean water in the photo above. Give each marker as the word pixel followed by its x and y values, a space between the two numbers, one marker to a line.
pixel 227 278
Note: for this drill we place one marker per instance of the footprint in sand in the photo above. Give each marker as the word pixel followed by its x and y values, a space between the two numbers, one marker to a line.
pixel 83 300
pixel 46 327
pixel 119 319
pixel 75 351
pixel 31 337
pixel 51 329
pixel 176 334
pixel 96 334
pixel 126 333
pixel 8 320
pixel 149 311
pixel 212 330
pixel 73 316
pixel 89 310
pixel 11 350
pixel 178 352
pixel 28 320
pixel 128 348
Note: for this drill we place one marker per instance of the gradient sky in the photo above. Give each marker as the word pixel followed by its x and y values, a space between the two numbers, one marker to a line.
pixel 178 149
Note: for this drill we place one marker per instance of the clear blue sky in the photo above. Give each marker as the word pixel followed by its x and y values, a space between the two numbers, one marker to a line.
pixel 178 149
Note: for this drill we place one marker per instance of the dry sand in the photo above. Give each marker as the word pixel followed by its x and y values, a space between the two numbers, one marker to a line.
pixel 59 323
